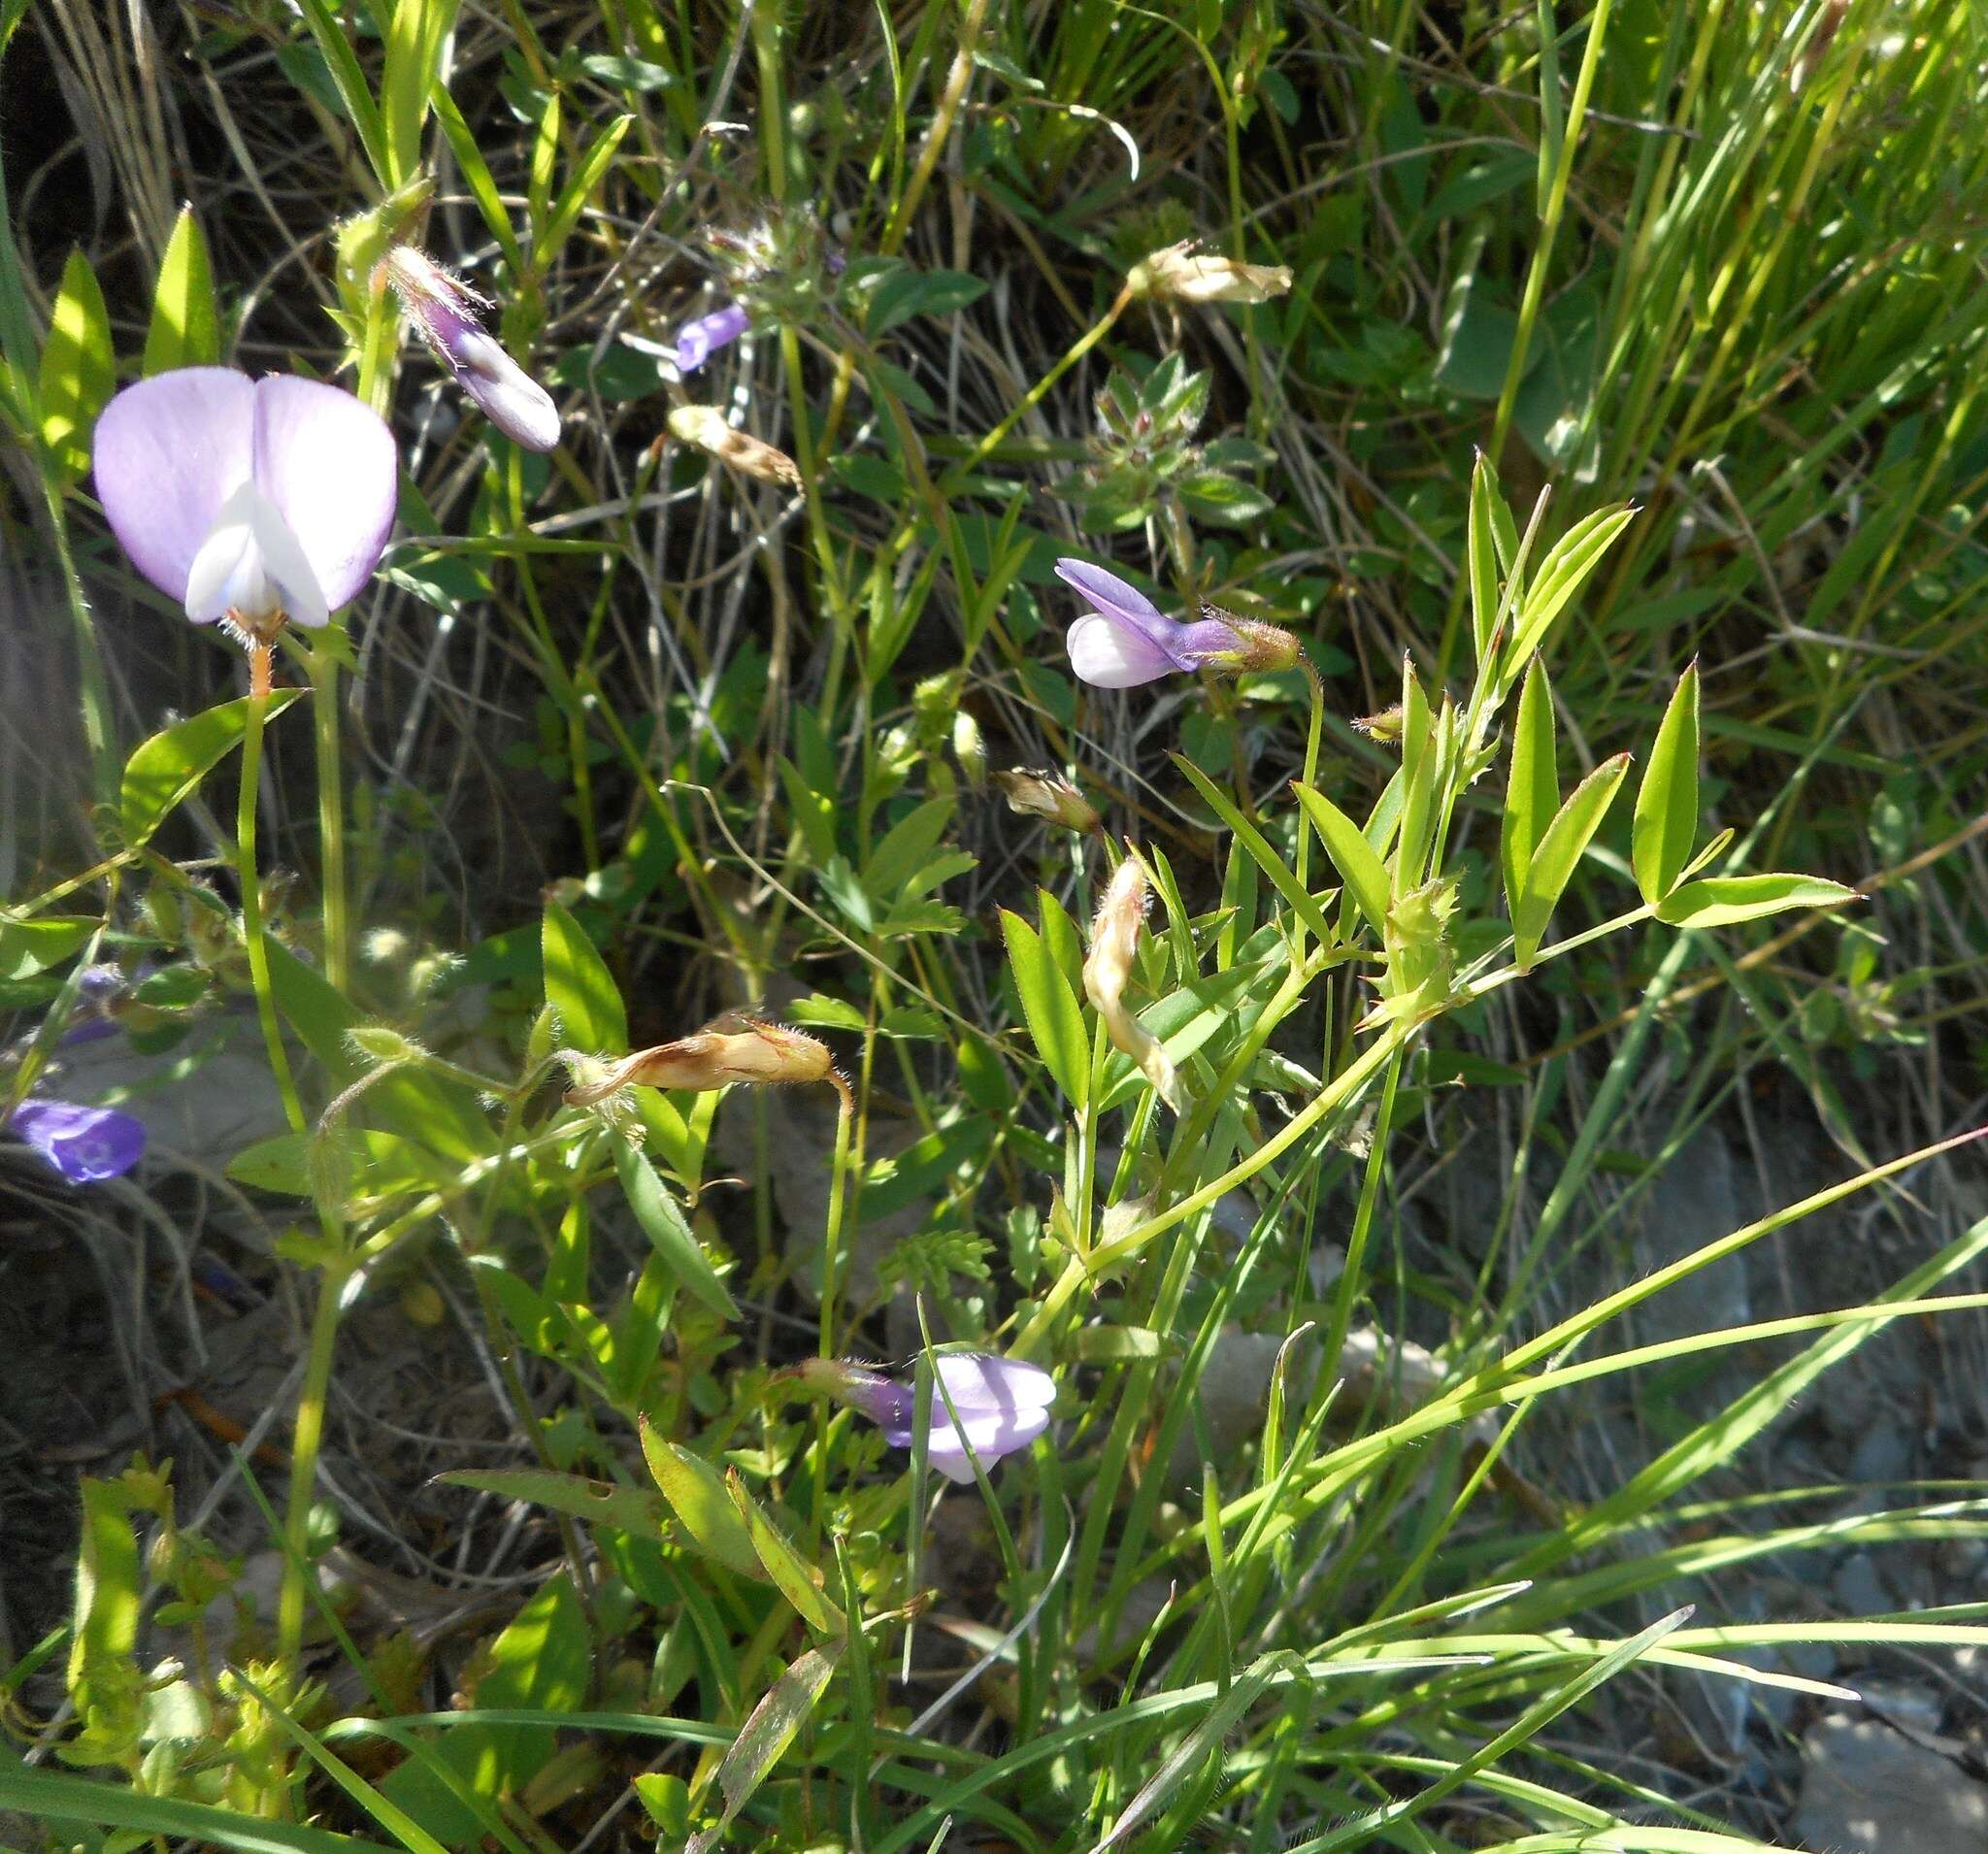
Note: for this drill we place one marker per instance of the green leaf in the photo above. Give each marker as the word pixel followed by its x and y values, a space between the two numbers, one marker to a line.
pixel 53 1795
pixel 1054 1021
pixel 1482 557
pixel 105 1631
pixel 639 1514
pixel 475 173
pixel 1200 1745
pixel 414 53
pixel 1359 866
pixel 392 1166
pixel 1562 573
pixel 1532 795
pixel 1559 849
pixel 663 1223
pixel 540 1662
pixel 1257 848
pixel 78 371
pixel 697 1496
pixel 1419 766
pixel 580 987
pixel 905 293
pixel 443 1113
pixel 1718 901
pixel 29 946
pixel 350 78
pixel 793 1575
pixel 766 1735
pixel 164 772
pixel 185 328
pixel 1666 801
pixel 579 189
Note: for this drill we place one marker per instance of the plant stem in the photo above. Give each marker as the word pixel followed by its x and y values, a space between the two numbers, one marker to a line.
pixel 838 1194
pixel 331 825
pixel 97 731
pixel 306 1438
pixel 251 884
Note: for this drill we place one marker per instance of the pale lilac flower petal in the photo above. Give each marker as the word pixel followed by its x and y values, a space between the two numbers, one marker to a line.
pixel 992 1437
pixel 329 465
pixel 1111 595
pixel 167 453
pixel 698 340
pixel 1110 655
pixel 1206 639
pixel 252 567
pixel 983 1381
pixel 84 1144
pixel 1127 640
pixel 511 397
pixel 1003 1405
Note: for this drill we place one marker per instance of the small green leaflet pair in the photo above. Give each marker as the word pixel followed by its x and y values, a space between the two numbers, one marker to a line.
pixel 1543 839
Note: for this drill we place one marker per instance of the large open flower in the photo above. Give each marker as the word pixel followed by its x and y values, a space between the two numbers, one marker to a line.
pixel 1126 640
pixel 247 500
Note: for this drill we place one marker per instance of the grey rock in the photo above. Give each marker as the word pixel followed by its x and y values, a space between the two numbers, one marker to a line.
pixel 1857 1589
pixel 1884 1453
pixel 207 1116
pixel 1694 1200
pixel 1868 1790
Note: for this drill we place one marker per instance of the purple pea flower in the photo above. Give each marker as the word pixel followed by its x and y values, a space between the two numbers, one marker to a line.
pixel 1125 640
pixel 1003 1405
pixel 698 340
pixel 249 500
pixel 446 311
pixel 82 1143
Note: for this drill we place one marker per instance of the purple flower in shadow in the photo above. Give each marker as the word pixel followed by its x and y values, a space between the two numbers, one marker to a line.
pixel 698 340
pixel 1125 640
pixel 1003 1404
pixel 247 500
pixel 446 311
pixel 82 1143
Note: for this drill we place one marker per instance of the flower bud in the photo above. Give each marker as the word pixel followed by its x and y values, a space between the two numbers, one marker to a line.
pixel 704 427
pixel 969 749
pixel 730 1048
pixel 1114 941
pixel 1384 727
pixel 1050 795
pixel 448 314
pixel 1182 274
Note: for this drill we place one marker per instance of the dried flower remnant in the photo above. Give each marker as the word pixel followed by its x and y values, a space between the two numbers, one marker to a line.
pixel 704 427
pixel 1047 795
pixel 448 314
pixel 1180 274
pixel 698 340
pixel 83 1145
pixel 733 1048
pixel 252 502
pixel 1114 942
pixel 1003 1404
